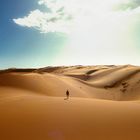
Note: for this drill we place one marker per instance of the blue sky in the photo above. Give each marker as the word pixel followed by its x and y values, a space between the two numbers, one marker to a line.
pixel 23 47
pixel 38 33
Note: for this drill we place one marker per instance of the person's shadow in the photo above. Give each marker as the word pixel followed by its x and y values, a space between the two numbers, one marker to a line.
pixel 66 98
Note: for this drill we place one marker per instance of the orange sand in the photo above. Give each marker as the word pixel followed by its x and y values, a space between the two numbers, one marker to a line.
pixel 104 103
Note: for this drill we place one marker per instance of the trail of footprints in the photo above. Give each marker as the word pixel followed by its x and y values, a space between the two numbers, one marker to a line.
pixel 124 87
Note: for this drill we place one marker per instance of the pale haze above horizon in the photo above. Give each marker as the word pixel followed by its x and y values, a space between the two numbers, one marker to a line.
pixel 38 33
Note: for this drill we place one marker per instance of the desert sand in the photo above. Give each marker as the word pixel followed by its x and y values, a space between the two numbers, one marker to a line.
pixel 104 103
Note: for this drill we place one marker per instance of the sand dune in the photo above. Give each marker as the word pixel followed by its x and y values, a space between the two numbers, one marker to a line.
pixel 111 83
pixel 104 103
pixel 115 77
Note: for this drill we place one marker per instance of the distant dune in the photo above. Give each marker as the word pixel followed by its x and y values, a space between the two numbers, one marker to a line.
pixel 104 103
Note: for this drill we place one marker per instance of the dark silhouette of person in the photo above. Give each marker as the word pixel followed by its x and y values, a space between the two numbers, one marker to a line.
pixel 67 94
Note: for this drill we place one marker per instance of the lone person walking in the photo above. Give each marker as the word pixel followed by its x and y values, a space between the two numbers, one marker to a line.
pixel 67 94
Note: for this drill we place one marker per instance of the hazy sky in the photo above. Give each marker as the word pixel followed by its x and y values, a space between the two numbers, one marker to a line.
pixel 37 33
